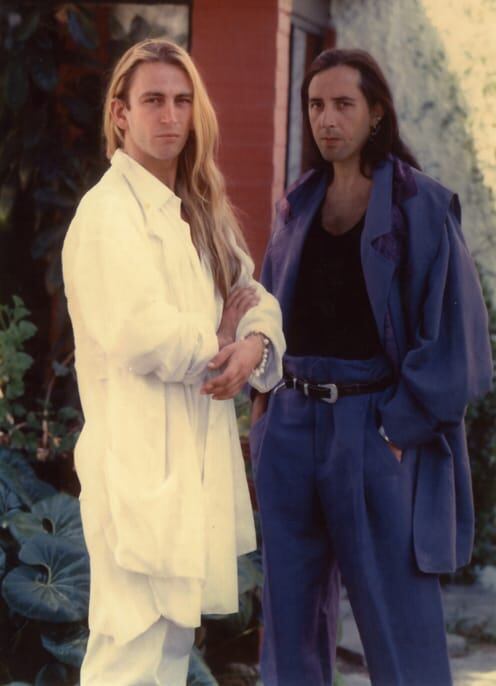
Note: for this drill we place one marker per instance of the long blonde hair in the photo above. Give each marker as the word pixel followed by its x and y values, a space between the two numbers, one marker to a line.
pixel 215 230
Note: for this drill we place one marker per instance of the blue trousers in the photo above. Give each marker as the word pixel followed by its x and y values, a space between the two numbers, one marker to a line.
pixel 334 502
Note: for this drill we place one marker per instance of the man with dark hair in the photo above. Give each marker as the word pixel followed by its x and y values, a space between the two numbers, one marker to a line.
pixel 359 455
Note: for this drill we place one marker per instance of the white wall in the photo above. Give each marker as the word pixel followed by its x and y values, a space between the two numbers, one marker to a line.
pixel 441 124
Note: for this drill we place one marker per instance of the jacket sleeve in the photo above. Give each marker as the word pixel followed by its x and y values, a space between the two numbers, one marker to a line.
pixel 265 317
pixel 118 291
pixel 450 361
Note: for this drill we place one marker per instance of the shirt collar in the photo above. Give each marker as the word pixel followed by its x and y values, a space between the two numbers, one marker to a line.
pixel 151 193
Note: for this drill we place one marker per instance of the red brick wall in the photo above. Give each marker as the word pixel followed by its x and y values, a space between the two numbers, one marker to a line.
pixel 242 51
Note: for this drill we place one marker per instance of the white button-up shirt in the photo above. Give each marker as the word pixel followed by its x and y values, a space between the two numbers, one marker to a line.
pixel 164 499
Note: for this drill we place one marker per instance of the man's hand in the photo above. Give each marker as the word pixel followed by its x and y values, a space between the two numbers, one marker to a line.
pixel 240 359
pixel 397 452
pixel 236 306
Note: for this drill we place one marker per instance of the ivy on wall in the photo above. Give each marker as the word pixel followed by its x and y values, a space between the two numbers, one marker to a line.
pixel 57 58
pixel 50 111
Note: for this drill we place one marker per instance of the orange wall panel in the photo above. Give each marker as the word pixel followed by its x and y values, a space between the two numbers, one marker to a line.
pixel 243 55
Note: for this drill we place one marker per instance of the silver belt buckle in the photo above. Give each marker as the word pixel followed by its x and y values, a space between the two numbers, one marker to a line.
pixel 334 393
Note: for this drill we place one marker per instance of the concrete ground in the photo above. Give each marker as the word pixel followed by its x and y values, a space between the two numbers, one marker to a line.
pixel 470 613
pixel 471 624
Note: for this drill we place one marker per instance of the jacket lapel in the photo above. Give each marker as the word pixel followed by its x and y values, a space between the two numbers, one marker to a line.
pixel 378 265
pixel 378 262
pixel 288 244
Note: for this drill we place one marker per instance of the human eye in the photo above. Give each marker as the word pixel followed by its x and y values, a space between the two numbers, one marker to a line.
pixel 184 100
pixel 315 105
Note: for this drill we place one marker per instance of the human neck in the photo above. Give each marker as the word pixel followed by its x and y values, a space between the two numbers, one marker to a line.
pixel 348 175
pixel 346 199
pixel 164 170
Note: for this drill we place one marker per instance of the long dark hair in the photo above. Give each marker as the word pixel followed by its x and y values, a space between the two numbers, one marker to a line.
pixel 374 87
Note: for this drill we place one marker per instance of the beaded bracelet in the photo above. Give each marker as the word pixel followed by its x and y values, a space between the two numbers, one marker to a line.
pixel 262 365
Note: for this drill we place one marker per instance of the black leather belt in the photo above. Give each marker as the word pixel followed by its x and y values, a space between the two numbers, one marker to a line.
pixel 330 392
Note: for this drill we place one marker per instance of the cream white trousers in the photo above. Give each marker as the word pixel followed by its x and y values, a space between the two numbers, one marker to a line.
pixel 157 657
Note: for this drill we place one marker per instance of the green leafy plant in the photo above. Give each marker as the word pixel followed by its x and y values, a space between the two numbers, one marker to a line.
pixel 44 571
pixel 43 562
pixel 481 440
pixel 45 433
pixel 55 60
pixel 44 577
pixel 49 110
pixel 225 630
pixel 14 362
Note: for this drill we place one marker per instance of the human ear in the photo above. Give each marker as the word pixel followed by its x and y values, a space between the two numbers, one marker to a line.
pixel 376 115
pixel 118 111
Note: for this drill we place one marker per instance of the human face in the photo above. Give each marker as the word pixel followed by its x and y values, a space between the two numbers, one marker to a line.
pixel 339 114
pixel 158 117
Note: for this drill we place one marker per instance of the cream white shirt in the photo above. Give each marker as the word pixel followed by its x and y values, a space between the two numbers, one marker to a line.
pixel 164 499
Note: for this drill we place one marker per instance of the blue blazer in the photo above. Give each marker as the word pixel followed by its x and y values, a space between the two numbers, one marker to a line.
pixel 432 321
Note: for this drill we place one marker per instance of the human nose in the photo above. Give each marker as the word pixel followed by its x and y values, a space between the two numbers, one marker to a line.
pixel 168 113
pixel 328 117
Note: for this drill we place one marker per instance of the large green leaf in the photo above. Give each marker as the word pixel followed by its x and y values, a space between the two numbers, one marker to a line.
pixel 22 525
pixel 66 643
pixel 199 674
pixel 19 476
pixel 52 675
pixel 26 330
pixel 52 584
pixel 60 515
pixel 9 501
pixel 250 574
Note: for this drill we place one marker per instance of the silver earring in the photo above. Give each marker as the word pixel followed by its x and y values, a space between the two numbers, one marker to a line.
pixel 374 129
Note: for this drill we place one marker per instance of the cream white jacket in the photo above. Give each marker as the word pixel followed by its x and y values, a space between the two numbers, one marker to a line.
pixel 164 499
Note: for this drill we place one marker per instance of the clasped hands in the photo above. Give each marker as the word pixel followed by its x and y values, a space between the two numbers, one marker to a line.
pixel 238 358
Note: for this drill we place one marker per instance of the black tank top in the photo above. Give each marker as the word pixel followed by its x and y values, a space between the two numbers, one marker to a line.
pixel 331 314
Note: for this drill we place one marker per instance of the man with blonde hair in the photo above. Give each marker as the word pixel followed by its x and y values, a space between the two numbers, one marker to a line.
pixel 166 319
